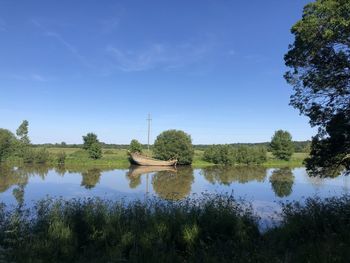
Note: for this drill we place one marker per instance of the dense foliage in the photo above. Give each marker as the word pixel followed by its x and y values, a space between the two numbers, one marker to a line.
pixel 6 143
pixel 89 139
pixel 211 229
pixel 319 60
pixel 174 144
pixel 92 145
pixel 281 145
pixel 228 155
pixel 135 146
pixel 95 151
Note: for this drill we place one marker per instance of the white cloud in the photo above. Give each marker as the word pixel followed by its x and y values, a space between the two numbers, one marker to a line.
pixel 158 55
pixel 38 77
pixel 71 48
pixel 27 77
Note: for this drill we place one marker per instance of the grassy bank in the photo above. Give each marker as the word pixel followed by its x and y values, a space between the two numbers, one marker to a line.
pixel 117 158
pixel 213 229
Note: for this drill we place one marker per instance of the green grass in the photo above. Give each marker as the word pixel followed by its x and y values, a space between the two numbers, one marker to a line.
pixel 296 160
pixel 212 228
pixel 117 158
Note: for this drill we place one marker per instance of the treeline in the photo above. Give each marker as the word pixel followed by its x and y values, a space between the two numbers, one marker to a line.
pixel 299 146
pixel 65 145
pixel 210 228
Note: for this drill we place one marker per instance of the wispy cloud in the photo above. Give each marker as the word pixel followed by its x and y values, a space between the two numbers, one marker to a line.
pixel 58 37
pixel 158 55
pixel 28 77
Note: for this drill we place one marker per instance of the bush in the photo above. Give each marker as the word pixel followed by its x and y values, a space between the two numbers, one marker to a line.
pixel 281 145
pixel 135 146
pixel 28 154
pixel 229 155
pixel 220 154
pixel 174 144
pixel 42 156
pixel 61 158
pixel 95 151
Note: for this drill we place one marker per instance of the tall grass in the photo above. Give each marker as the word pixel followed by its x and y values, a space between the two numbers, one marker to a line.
pixel 208 229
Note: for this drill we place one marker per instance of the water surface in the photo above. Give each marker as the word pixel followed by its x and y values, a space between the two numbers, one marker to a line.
pixel 263 187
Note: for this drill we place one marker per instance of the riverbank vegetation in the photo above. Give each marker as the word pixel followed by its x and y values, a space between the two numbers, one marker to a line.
pixel 169 144
pixel 94 230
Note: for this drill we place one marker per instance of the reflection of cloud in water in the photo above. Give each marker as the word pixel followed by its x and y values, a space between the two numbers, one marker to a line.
pixel 229 174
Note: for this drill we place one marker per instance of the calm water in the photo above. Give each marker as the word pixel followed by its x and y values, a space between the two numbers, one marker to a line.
pixel 264 188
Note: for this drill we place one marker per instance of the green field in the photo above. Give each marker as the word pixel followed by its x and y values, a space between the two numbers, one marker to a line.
pixel 117 158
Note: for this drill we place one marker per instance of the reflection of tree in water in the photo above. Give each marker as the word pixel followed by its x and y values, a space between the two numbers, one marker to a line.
pixel 61 170
pixel 282 181
pixel 229 174
pixel 173 185
pixel 10 176
pixel 18 193
pixel 90 178
pixel 134 181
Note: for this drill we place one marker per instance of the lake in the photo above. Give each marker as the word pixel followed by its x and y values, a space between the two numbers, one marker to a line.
pixel 263 187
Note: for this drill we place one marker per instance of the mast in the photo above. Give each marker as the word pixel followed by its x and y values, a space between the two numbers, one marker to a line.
pixel 149 129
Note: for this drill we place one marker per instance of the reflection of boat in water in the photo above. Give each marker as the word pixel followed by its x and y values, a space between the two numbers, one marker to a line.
pixel 140 159
pixel 136 171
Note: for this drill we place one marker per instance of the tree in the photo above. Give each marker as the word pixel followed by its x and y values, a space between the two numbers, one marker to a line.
pixel 281 145
pixel 135 146
pixel 95 151
pixel 6 143
pixel 319 61
pixel 22 132
pixel 89 139
pixel 174 144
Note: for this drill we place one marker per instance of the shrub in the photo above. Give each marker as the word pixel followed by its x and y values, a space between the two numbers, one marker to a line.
pixel 281 145
pixel 174 144
pixel 95 151
pixel 220 154
pixel 28 154
pixel 61 158
pixel 229 155
pixel 135 146
pixel 41 156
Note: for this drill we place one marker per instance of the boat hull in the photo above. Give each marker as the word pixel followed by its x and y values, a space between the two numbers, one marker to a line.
pixel 139 159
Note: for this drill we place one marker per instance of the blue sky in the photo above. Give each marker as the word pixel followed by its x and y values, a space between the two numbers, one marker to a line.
pixel 213 68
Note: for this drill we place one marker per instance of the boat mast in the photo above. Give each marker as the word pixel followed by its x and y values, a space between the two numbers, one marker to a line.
pixel 149 129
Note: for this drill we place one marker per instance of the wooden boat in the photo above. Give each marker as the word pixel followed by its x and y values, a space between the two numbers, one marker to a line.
pixel 136 171
pixel 139 159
